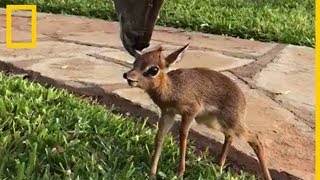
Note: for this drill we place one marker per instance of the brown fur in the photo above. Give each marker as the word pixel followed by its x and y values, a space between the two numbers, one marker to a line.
pixel 207 96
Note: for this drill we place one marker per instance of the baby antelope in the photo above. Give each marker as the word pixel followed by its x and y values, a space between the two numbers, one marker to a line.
pixel 199 94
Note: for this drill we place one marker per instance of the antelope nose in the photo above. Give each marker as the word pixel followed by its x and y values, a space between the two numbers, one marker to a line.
pixel 125 75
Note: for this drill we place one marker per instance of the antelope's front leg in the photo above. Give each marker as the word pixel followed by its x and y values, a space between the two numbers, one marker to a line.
pixel 165 124
pixel 184 131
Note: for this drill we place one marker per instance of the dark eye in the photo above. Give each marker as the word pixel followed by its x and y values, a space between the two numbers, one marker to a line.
pixel 152 71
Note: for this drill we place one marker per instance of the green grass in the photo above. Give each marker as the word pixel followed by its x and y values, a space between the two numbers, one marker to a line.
pixel 285 21
pixel 50 134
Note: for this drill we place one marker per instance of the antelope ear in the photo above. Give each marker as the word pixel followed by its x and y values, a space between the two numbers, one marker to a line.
pixel 176 56
pixel 156 48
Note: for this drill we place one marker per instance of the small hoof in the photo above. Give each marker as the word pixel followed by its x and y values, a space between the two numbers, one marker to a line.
pixel 221 169
pixel 180 175
pixel 152 176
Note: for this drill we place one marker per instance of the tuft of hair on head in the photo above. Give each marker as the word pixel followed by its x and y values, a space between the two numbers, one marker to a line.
pixel 149 49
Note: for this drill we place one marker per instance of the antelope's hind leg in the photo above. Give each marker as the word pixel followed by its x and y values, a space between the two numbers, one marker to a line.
pixel 211 121
pixel 258 148
pixel 225 149
pixel 235 128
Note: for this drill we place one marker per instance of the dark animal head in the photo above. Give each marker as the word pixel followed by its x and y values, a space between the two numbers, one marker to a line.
pixel 137 19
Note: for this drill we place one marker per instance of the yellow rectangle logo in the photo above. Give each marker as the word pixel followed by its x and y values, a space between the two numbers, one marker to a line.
pixel 9 43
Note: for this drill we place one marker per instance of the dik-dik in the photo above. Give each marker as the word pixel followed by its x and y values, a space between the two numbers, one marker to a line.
pixel 207 96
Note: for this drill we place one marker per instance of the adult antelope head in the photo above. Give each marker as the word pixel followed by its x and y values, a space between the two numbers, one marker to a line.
pixel 137 19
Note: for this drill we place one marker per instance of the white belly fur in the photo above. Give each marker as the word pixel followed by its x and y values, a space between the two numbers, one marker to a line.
pixel 209 120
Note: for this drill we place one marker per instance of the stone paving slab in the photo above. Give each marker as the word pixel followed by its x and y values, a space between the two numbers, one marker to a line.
pixel 19 36
pixel 213 42
pixel 47 49
pixel 21 29
pixel 64 25
pixel 86 56
pixel 81 68
pixel 99 38
pixel 291 77
pixel 192 58
pixel 212 60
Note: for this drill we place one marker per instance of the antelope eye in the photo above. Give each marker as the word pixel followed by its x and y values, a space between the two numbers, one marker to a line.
pixel 152 71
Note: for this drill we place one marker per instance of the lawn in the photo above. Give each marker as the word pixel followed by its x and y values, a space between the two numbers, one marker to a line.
pixel 50 134
pixel 284 21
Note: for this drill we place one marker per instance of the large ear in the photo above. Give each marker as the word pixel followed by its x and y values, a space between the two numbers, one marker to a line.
pixel 156 48
pixel 176 55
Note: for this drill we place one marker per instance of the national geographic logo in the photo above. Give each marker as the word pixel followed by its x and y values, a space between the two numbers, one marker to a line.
pixel 9 43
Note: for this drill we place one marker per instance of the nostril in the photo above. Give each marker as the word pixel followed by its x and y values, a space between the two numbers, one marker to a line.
pixel 125 75
pixel 141 46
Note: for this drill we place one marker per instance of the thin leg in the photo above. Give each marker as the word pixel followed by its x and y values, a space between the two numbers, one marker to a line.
pixel 184 131
pixel 259 150
pixel 225 149
pixel 165 124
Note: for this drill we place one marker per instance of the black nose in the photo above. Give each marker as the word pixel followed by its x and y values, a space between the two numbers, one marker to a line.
pixel 125 75
pixel 141 46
